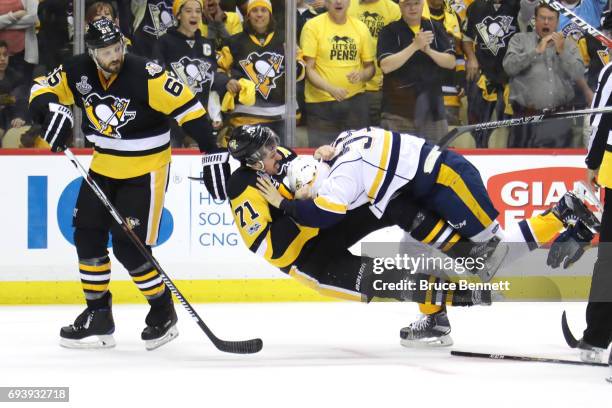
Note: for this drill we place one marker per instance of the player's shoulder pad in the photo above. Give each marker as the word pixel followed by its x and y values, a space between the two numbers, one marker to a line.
pixel 240 179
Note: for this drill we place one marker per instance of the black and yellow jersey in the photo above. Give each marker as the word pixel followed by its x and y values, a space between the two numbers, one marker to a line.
pixel 266 230
pixel 263 63
pixel 193 60
pixel 125 117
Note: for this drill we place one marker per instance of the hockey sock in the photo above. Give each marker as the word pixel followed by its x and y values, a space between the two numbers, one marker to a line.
pixel 149 281
pixel 95 277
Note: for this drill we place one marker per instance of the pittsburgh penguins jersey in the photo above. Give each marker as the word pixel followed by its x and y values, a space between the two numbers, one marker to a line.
pixel 375 16
pixel 490 29
pixel 157 18
pixel 193 61
pixel 265 230
pixel 595 55
pixel 125 117
pixel 370 165
pixel 263 63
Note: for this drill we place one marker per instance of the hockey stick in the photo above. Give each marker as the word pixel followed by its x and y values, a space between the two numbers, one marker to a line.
pixel 524 358
pixel 567 332
pixel 239 347
pixel 459 130
pixel 583 25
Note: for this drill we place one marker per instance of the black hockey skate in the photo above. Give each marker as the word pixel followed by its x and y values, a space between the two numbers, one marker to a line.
pixel 429 331
pixel 161 326
pixel 571 209
pixel 93 328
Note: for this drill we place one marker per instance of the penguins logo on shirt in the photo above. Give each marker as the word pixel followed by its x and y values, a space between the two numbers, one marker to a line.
pixel 107 114
pixel 343 48
pixel 263 70
pixel 161 18
pixel 193 72
pixel 374 21
pixel 494 31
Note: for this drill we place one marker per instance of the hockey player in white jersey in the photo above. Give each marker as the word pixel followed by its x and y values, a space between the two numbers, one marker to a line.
pixel 373 166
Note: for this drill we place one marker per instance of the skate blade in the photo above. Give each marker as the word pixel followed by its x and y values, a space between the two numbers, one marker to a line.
pixel 494 262
pixel 430 342
pixel 591 356
pixel 91 342
pixel 170 335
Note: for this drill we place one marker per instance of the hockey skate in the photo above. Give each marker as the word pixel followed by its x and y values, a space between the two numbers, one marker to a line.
pixel 161 326
pixel 429 331
pixel 93 328
pixel 589 353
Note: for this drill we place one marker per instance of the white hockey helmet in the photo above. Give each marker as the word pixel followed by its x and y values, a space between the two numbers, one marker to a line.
pixel 305 170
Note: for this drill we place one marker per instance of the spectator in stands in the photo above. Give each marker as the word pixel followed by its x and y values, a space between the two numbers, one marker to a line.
pixel 217 24
pixel 375 14
pixel 18 19
pixel 307 10
pixel 339 56
pixel 193 59
pixel 414 54
pixel 13 91
pixel 542 66
pixel 256 60
pixel 152 18
pixel 489 25
pixel 53 40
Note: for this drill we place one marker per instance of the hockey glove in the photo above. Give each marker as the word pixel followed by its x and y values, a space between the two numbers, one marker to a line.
pixel 215 172
pixel 569 246
pixel 58 126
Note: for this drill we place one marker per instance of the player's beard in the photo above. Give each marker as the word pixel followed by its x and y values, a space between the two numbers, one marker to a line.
pixel 113 67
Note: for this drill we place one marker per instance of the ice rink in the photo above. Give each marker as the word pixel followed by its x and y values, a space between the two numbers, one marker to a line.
pixel 314 355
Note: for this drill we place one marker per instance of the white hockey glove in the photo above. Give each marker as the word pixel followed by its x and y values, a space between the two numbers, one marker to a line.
pixel 215 172
pixel 58 126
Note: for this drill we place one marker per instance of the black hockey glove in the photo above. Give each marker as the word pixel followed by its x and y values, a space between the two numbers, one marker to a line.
pixel 57 127
pixel 569 246
pixel 215 172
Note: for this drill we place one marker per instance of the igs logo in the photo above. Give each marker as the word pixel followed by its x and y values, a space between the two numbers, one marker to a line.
pixel 522 194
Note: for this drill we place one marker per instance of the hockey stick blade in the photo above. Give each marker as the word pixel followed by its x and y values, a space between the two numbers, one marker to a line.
pixel 567 333
pixel 494 356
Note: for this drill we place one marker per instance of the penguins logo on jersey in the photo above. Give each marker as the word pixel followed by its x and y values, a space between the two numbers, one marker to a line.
pixel 494 31
pixel 374 21
pixel 107 114
pixel 571 30
pixel 161 18
pixel 193 72
pixel 264 70
pixel 343 48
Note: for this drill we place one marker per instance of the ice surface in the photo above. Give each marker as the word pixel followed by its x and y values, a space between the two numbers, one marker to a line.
pixel 314 355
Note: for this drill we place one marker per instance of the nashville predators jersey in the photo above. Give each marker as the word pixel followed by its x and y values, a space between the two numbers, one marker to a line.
pixel 266 230
pixel 263 63
pixel 367 169
pixel 125 116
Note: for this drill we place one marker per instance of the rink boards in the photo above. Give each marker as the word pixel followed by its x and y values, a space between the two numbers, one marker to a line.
pixel 199 246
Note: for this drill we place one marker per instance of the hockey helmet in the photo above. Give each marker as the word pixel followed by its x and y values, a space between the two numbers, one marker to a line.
pixel 305 171
pixel 102 33
pixel 249 142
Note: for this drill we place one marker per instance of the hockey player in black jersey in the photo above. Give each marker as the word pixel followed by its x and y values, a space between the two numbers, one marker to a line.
pixel 126 102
